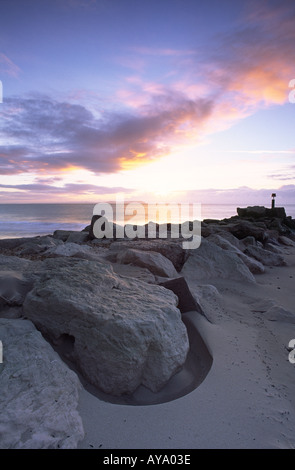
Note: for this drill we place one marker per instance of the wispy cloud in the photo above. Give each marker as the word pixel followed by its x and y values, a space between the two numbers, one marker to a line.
pixel 8 67
pixel 158 51
pixel 46 135
pixel 256 61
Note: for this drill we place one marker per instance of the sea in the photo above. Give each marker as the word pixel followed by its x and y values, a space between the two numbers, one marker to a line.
pixel 30 220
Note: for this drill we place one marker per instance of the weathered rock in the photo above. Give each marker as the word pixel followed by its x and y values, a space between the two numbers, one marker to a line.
pixel 273 247
pixel 265 257
pixel 37 245
pixel 279 314
pixel 286 241
pixel 39 393
pixel 186 301
pixel 254 266
pixel 71 249
pixel 108 229
pixel 77 237
pixel 253 211
pixel 11 243
pixel 209 261
pixel 142 274
pixel 14 263
pixel 289 222
pixel 258 212
pixel 28 245
pixel 153 261
pixel 172 250
pixel 62 235
pixel 245 228
pixel 125 332
pixel 13 288
pixel 249 241
pixel 232 239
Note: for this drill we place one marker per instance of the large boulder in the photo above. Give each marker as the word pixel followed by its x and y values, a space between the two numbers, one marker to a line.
pixel 209 261
pixel 255 266
pixel 172 250
pixel 72 249
pixel 31 245
pixel 258 212
pixel 265 257
pixel 246 228
pixel 77 237
pixel 123 332
pixel 286 241
pixel 39 393
pixel 153 261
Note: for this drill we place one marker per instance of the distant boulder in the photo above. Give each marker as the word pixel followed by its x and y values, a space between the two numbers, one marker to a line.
pixel 258 212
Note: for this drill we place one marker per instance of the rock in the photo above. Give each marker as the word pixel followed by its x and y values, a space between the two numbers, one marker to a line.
pixel 254 266
pixel 254 211
pixel 11 243
pixel 142 274
pixel 77 237
pixel 210 300
pixel 37 245
pixel 71 249
pixel 125 332
pixel 232 239
pixel 249 241
pixel 28 245
pixel 14 263
pixel 39 393
pixel 13 288
pixel 209 261
pixel 286 241
pixel 258 212
pixel 62 235
pixel 153 261
pixel 172 250
pixel 265 257
pixel 186 302
pixel 107 228
pixel 279 314
pixel 274 248
pixel 245 228
pixel 289 222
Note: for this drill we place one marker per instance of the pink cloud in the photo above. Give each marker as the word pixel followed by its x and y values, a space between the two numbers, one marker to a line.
pixel 8 67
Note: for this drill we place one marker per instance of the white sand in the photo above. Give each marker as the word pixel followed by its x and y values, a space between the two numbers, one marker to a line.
pixel 247 399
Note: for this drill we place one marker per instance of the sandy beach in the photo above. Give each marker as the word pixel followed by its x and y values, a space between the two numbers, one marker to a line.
pixel 246 400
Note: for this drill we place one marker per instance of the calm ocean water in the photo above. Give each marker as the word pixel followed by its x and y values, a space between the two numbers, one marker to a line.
pixel 29 220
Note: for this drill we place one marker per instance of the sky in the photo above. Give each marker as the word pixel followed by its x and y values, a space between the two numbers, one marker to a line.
pixel 182 100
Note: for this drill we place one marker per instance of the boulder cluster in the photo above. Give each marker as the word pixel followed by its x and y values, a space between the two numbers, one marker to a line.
pixel 111 308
